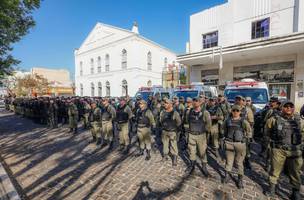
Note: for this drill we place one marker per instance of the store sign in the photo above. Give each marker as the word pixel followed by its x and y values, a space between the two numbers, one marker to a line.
pixel 210 76
pixel 271 73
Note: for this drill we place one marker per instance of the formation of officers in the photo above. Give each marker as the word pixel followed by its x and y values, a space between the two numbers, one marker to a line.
pixel 186 126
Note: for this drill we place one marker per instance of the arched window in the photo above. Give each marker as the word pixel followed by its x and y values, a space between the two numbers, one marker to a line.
pixel 98 64
pixel 107 63
pixel 124 88
pixel 92 89
pixel 108 88
pixel 81 89
pixel 149 60
pixel 80 68
pixel 99 89
pixel 149 83
pixel 124 59
pixel 165 64
pixel 92 66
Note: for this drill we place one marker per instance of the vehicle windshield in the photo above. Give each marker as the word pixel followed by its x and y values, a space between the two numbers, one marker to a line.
pixel 144 95
pixel 185 94
pixel 258 96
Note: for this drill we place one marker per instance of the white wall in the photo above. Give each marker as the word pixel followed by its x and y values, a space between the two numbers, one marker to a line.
pixel 233 20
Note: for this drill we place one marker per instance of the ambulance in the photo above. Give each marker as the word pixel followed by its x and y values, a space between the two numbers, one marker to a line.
pixel 194 90
pixel 258 91
pixel 145 92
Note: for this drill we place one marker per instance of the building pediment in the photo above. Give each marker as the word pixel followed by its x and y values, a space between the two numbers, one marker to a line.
pixel 103 34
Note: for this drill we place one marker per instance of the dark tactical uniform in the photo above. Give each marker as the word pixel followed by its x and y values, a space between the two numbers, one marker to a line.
pixel 286 140
pixel 123 116
pixel 236 133
pixel 86 114
pixel 170 121
pixel 199 125
pixel 52 115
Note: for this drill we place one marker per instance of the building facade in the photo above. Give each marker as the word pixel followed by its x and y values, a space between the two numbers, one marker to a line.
pixel 259 39
pixel 115 62
pixel 59 80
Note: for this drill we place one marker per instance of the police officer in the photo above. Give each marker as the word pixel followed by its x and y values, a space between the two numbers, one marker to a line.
pixel 96 123
pixel 73 116
pixel 236 131
pixel 285 133
pixel 123 116
pixel 52 114
pixel 216 118
pixel 170 120
pixel 185 123
pixel 250 105
pixel 247 114
pixel 199 124
pixel 145 122
pixel 224 106
pixel 108 114
pixel 86 113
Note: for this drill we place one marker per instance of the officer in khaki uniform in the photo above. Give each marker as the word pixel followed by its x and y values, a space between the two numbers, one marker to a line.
pixel 86 114
pixel 217 117
pixel 145 122
pixel 108 114
pixel 186 124
pixel 170 120
pixel 247 114
pixel 73 116
pixel 286 136
pixel 199 124
pixel 123 116
pixel 236 131
pixel 96 124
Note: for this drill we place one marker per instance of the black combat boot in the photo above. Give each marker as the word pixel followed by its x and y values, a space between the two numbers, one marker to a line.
pixel 247 163
pixel 174 161
pixel 226 177
pixel 126 149
pixel 75 130
pixel 98 142
pixel 205 170
pixel 93 139
pixel 165 158
pixel 148 156
pixel 240 182
pixel 295 194
pixel 71 130
pixel 189 170
pixel 111 145
pixel 271 191
pixel 139 153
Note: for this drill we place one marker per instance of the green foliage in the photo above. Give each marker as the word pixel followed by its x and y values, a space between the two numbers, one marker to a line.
pixel 15 21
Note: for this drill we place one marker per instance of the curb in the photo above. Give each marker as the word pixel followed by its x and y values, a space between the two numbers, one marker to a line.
pixel 7 189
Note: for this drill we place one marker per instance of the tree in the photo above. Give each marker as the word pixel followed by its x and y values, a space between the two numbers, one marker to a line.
pixel 15 21
pixel 29 85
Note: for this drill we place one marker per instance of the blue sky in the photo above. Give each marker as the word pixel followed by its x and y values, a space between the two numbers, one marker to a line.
pixel 62 25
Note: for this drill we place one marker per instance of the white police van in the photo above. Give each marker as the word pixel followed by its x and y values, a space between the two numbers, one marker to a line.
pixel 258 91
pixel 194 90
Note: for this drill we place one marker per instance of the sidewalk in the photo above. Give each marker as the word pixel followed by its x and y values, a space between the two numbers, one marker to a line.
pixel 7 190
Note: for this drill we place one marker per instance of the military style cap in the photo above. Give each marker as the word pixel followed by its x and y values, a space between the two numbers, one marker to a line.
pixel 239 97
pixel 213 98
pixel 93 102
pixel 143 102
pixel 168 101
pixel 288 103
pixel 195 99
pixel 139 97
pixel 248 98
pixel 181 98
pixel 236 107
pixel 175 97
pixel 220 95
pixel 274 99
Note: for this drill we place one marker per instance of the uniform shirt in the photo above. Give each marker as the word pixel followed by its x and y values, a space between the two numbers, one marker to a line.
pixel 149 115
pixel 176 117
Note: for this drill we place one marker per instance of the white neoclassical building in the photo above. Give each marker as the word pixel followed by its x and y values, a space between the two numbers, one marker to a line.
pixel 114 62
pixel 259 39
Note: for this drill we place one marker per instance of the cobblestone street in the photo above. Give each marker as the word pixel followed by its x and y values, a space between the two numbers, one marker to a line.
pixel 54 164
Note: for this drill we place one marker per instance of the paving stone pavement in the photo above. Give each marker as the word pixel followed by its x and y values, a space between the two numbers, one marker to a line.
pixel 54 164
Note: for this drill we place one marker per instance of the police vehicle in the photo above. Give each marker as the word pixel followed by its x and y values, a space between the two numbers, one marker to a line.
pixel 194 90
pixel 258 91
pixel 145 92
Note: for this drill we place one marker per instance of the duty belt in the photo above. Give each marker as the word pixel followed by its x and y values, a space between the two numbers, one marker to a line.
pixel 170 130
pixel 142 126
pixel 286 147
pixel 196 133
pixel 231 140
